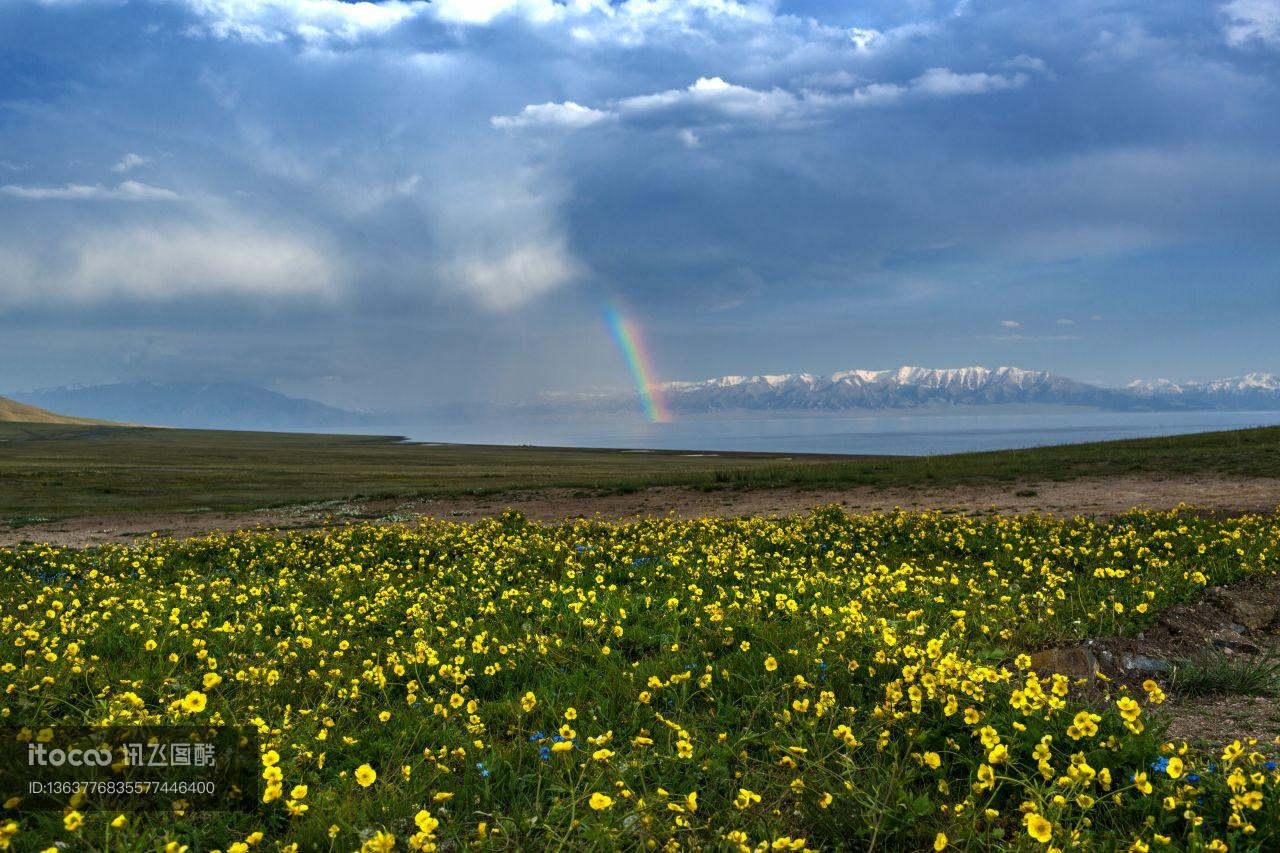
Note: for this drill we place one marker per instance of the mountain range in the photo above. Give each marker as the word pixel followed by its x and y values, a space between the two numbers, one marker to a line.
pixel 237 405
pixel 918 387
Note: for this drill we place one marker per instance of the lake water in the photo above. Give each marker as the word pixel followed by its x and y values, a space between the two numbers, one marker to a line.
pixel 879 433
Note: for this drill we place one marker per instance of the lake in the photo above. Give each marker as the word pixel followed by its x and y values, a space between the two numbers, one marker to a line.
pixel 914 433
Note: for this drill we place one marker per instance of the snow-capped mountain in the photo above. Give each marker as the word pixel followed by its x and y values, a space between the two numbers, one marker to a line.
pixel 1253 390
pixel 904 388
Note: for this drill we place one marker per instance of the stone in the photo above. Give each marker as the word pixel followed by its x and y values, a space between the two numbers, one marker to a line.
pixel 1072 662
pixel 1145 663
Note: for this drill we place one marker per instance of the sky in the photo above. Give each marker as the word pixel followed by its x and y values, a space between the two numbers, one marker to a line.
pixel 403 203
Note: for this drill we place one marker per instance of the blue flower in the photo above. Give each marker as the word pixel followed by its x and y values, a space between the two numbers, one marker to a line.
pixel 1160 765
pixel 484 771
pixel 1270 765
pixel 536 736
pixel 544 752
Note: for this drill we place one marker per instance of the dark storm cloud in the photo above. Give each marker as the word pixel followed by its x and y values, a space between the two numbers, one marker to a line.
pixel 374 201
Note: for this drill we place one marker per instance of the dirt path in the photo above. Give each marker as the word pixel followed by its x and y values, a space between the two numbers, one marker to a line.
pixel 1090 497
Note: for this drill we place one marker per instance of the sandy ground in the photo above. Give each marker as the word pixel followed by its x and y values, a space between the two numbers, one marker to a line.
pixel 1090 497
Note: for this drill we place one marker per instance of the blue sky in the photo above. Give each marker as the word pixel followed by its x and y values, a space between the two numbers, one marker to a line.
pixel 379 204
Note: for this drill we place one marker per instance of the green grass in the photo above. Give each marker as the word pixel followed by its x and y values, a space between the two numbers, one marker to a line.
pixel 52 471
pixel 1216 673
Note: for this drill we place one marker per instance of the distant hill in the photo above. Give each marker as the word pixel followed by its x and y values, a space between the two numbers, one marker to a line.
pixel 211 405
pixel 12 411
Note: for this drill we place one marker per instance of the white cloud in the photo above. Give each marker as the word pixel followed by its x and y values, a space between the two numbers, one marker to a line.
pixel 125 191
pixel 168 262
pixel 1011 324
pixel 712 100
pixel 1066 321
pixel 713 96
pixel 629 23
pixel 310 20
pixel 1030 63
pixel 1251 21
pixel 129 161
pixel 509 279
pixel 567 114
pixel 865 39
pixel 1030 339
pixel 943 82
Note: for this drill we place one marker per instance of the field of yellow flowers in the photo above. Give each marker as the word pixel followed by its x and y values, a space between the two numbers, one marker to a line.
pixel 814 682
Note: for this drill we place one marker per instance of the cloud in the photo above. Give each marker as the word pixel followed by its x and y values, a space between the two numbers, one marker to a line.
pixel 269 21
pixel 1065 321
pixel 1029 339
pixel 1250 21
pixel 865 39
pixel 631 23
pixel 129 161
pixel 714 101
pixel 502 281
pixel 170 263
pixel 567 114
pixel 1011 324
pixel 943 82
pixel 1029 63
pixel 125 191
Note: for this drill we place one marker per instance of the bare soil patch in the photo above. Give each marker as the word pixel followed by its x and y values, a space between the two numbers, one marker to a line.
pixel 1094 497
pixel 1236 624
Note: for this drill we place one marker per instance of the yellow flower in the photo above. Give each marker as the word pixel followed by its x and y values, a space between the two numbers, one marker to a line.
pixel 770 663
pixel 73 821
pixel 211 680
pixel 299 792
pixel 571 713
pixel 194 702
pixel 1175 768
pixel 381 842
pixel 1038 828
pixel 940 841
pixel 366 775
pixel 684 749
pixel 600 802
pixel 119 822
pixel 528 701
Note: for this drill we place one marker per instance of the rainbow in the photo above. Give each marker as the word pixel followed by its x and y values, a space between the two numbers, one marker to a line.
pixel 631 344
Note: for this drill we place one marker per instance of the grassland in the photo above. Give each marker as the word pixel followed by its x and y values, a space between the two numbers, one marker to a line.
pixel 817 682
pixel 60 471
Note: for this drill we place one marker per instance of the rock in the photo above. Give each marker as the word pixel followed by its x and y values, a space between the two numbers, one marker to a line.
pixel 1256 610
pixel 1071 662
pixel 1237 644
pixel 1145 663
